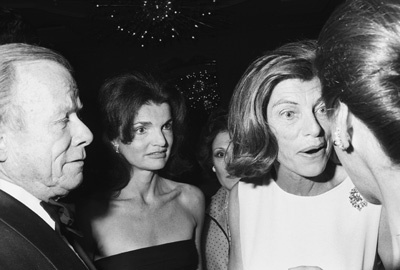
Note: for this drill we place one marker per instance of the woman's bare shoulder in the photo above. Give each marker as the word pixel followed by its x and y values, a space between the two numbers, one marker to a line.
pixel 189 195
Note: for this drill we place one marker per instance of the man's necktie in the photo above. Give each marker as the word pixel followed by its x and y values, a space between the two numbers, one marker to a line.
pixel 63 226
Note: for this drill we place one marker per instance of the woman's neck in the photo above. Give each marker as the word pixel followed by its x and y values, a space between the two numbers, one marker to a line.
pixel 388 180
pixel 142 184
pixel 310 186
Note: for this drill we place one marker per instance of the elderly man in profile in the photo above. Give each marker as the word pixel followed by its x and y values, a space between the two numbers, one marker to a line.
pixel 42 151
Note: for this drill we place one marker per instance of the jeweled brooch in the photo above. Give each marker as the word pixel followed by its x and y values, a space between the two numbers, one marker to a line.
pixel 356 200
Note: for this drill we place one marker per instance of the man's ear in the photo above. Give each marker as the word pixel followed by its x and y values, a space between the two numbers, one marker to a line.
pixel 343 126
pixel 3 147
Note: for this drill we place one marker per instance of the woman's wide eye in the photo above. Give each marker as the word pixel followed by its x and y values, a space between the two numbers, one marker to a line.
pixel 322 110
pixel 288 114
pixel 168 126
pixel 219 154
pixel 140 130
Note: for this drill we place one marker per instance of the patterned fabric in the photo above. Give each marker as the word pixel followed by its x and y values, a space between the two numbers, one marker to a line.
pixel 216 236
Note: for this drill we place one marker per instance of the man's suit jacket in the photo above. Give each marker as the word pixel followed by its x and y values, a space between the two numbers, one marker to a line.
pixel 27 242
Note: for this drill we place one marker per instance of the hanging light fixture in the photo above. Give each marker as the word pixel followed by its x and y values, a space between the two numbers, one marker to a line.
pixel 157 21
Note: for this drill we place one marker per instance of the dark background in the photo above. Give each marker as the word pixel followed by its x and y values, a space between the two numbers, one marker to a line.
pixel 237 32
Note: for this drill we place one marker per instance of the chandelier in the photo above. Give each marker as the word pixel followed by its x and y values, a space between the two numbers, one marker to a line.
pixel 152 22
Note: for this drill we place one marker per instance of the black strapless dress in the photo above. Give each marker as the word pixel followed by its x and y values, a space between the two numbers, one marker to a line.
pixel 181 255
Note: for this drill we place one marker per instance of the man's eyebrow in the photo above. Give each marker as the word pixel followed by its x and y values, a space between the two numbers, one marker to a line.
pixel 76 102
pixel 78 106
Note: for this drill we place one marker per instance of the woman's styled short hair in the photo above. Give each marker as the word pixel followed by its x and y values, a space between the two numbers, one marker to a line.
pixel 120 99
pixel 359 65
pixel 216 123
pixel 254 147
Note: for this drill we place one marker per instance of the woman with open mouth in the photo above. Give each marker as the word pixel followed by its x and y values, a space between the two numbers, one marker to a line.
pixel 293 207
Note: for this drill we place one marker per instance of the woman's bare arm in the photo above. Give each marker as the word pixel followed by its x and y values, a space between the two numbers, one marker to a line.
pixel 197 203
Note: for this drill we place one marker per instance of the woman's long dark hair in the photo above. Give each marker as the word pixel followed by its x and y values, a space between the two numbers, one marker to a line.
pixel 120 99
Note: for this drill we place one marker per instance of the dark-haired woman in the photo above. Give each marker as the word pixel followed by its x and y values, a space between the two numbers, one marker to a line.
pixel 148 221
pixel 213 150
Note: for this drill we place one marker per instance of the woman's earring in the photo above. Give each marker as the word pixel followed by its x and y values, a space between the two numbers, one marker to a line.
pixel 337 140
pixel 213 168
pixel 116 147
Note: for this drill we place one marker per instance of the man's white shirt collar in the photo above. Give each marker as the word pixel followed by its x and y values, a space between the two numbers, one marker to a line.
pixel 27 199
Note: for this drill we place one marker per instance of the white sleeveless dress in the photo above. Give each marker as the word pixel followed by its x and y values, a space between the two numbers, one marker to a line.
pixel 336 230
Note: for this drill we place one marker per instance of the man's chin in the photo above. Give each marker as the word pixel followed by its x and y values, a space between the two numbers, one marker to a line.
pixel 69 185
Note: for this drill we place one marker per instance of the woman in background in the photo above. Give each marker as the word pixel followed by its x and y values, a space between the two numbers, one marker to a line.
pixel 295 207
pixel 359 67
pixel 146 221
pixel 213 148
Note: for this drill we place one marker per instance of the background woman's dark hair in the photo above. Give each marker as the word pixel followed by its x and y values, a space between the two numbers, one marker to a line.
pixel 359 64
pixel 120 99
pixel 216 123
pixel 254 147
